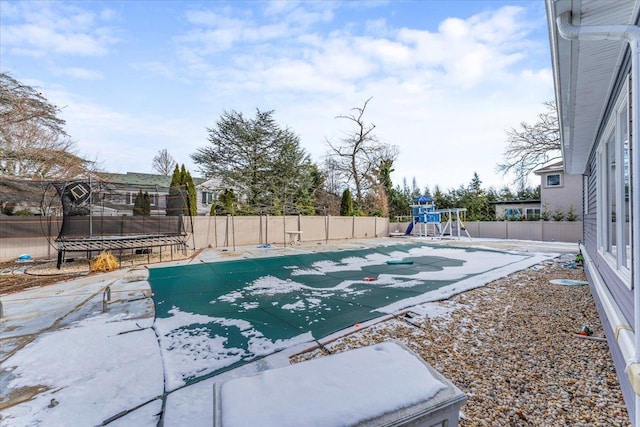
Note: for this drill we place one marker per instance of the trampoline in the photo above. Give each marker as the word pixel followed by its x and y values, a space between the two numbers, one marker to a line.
pixel 211 317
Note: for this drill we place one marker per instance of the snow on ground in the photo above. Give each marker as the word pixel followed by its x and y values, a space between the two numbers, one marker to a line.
pixel 94 369
pixel 79 366
pixel 496 272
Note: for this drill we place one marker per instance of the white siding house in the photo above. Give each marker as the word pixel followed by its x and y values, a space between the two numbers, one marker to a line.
pixel 595 48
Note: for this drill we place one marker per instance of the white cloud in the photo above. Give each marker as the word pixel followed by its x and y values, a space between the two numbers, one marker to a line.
pixel 389 52
pixel 58 28
pixel 78 73
pixel 445 97
pixel 444 93
pixel 157 68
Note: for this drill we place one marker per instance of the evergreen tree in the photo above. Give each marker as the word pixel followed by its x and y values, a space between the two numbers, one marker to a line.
pixel 261 161
pixel 476 201
pixel 175 201
pixel 571 214
pixel 346 205
pixel 397 204
pixel 291 186
pixel 146 204
pixel 440 199
pixel 138 204
pixel 191 207
pixel 226 204
pixel 415 189
pixel 182 193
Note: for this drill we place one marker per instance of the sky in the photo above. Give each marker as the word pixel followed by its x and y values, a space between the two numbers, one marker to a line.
pixel 446 79
pixel 124 358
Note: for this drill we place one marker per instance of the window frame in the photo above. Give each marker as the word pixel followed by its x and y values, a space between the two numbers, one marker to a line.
pixel 532 214
pixel 546 180
pixel 613 242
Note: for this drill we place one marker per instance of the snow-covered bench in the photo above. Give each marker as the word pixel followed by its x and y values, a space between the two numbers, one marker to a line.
pixel 381 385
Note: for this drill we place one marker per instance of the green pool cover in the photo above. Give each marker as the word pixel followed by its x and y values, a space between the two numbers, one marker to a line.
pixel 211 317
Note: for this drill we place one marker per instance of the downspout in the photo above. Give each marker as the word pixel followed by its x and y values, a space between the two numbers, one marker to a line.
pixel 630 34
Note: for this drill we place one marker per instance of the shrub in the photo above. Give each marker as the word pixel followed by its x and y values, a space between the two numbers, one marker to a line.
pixel 23 212
pixel 545 215
pixel 557 215
pixel 571 214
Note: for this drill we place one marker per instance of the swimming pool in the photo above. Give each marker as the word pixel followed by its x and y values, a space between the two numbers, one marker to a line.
pixel 211 317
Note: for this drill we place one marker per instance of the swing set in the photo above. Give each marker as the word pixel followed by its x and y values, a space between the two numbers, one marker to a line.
pixel 427 221
pixel 454 220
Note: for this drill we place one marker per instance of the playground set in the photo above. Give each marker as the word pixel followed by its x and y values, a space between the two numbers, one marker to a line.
pixel 427 221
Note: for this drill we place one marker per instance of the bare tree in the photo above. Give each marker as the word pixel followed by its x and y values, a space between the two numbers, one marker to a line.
pixel 357 156
pixel 163 163
pixel 33 142
pixel 532 145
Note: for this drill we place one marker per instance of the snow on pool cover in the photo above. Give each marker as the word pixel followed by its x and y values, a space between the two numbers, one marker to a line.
pixel 211 317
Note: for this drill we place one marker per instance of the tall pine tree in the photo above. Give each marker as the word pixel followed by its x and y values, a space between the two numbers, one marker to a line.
pixel 262 162
pixel 138 204
pixel 175 201
pixel 189 190
pixel 346 205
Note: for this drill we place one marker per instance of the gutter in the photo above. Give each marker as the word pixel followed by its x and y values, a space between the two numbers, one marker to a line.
pixel 630 34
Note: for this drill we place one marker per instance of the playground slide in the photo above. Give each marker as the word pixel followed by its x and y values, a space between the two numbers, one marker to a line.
pixel 410 227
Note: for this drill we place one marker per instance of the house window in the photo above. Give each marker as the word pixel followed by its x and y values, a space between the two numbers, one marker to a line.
pixel 512 213
pixel 585 195
pixel 532 214
pixel 614 205
pixel 207 198
pixel 553 180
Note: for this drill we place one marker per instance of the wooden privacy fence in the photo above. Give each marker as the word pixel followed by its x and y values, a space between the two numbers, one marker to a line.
pixel 34 236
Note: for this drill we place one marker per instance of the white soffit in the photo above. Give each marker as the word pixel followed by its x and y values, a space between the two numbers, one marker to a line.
pixel 584 73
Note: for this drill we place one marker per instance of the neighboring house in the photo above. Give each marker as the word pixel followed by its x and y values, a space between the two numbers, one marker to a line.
pixel 24 197
pixel 114 194
pixel 517 209
pixel 596 70
pixel 117 193
pixel 560 191
pixel 206 194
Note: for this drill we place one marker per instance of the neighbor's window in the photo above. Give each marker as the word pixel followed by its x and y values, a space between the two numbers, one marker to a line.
pixel 207 198
pixel 553 180
pixel 533 214
pixel 512 213
pixel 614 205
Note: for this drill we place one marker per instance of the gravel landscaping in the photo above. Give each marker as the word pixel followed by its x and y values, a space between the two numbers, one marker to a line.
pixel 513 347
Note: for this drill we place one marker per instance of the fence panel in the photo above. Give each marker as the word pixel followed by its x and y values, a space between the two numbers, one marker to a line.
pixel 524 230
pixel 20 226
pixel 314 228
pixel 340 227
pixel 490 229
pixel 34 235
pixel 562 231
